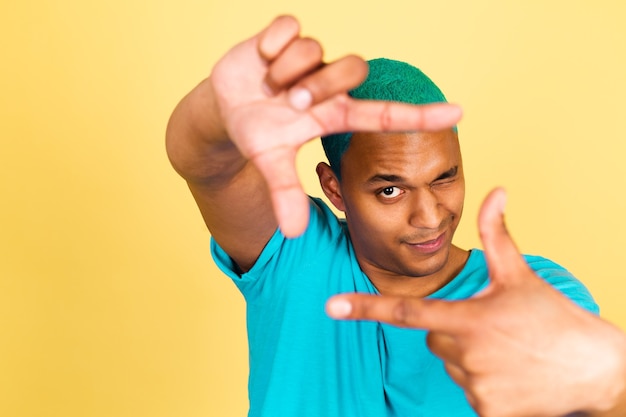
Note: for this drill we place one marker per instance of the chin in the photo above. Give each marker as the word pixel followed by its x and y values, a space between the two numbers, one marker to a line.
pixel 428 267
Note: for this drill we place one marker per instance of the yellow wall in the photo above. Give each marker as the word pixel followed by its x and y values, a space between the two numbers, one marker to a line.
pixel 109 302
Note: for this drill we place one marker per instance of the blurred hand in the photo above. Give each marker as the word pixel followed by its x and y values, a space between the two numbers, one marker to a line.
pixel 518 348
pixel 275 93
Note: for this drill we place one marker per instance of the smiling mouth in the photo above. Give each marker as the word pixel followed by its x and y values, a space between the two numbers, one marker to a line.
pixel 429 246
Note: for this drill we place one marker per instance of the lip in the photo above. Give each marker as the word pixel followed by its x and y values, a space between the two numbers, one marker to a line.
pixel 429 246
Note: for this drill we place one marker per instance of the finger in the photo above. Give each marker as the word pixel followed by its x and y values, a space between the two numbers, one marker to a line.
pixel 290 203
pixel 457 374
pixel 334 78
pixel 504 260
pixel 471 399
pixel 400 311
pixel 351 115
pixel 299 58
pixel 444 346
pixel 276 37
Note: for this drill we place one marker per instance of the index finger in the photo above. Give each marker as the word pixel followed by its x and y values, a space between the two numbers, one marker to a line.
pixel 352 115
pixel 418 313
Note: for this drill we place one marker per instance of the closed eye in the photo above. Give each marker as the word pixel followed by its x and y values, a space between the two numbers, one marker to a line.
pixel 448 175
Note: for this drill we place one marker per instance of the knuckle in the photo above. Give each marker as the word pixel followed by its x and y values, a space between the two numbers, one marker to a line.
pixel 471 361
pixel 311 49
pixel 480 389
pixel 402 312
pixel 386 118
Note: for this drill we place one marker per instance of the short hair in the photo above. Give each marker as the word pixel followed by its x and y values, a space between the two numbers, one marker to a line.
pixel 388 80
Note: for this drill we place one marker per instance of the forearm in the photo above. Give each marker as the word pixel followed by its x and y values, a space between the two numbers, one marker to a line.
pixel 197 143
pixel 227 188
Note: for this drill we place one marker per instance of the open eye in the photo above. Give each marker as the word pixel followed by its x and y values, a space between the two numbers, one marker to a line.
pixel 390 192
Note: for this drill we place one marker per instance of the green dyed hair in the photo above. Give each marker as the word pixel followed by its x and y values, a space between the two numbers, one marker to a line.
pixel 387 80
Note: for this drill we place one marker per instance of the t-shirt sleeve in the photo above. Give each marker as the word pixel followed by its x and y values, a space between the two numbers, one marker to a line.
pixel 282 258
pixel 225 263
pixel 561 279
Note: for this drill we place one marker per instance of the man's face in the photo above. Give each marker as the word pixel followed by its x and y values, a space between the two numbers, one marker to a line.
pixel 403 198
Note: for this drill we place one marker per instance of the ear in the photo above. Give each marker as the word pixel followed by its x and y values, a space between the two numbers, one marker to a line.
pixel 330 185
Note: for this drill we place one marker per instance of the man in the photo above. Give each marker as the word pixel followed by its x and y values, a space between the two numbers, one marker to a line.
pixel 519 348
pixel 234 139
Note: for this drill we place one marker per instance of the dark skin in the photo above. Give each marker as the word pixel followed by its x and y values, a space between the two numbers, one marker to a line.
pixel 519 348
pixel 234 138
pixel 407 191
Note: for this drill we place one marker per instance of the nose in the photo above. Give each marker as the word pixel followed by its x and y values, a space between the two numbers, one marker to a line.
pixel 425 210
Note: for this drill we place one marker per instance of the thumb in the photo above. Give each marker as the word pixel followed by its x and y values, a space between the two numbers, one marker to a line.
pixel 290 203
pixel 504 260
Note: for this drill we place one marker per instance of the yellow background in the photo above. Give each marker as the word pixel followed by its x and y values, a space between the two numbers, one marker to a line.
pixel 109 302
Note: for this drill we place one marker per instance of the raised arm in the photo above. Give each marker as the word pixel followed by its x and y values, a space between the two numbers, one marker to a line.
pixel 234 137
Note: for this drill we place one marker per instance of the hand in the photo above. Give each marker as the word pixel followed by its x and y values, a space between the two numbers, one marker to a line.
pixel 275 93
pixel 518 348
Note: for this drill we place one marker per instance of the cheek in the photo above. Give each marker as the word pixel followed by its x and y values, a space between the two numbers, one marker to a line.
pixel 373 238
pixel 454 199
pixel 370 219
pixel 383 230
pixel 455 208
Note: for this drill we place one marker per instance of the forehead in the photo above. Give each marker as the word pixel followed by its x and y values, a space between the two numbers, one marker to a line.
pixel 401 153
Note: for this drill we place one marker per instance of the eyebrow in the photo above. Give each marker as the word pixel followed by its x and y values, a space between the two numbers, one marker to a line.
pixel 385 178
pixel 377 178
pixel 449 173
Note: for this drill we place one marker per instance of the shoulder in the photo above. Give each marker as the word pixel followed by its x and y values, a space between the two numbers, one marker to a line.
pixel 324 232
pixel 474 277
pixel 563 280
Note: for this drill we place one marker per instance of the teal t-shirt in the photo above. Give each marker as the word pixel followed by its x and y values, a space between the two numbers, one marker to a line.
pixel 302 363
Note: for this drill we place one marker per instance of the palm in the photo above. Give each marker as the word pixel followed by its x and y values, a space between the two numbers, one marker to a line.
pixel 255 122
pixel 268 131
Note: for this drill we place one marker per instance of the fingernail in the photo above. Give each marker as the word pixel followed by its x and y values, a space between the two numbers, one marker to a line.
pixel 339 308
pixel 300 98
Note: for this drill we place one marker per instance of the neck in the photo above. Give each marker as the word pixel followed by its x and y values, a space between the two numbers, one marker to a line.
pixel 406 286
